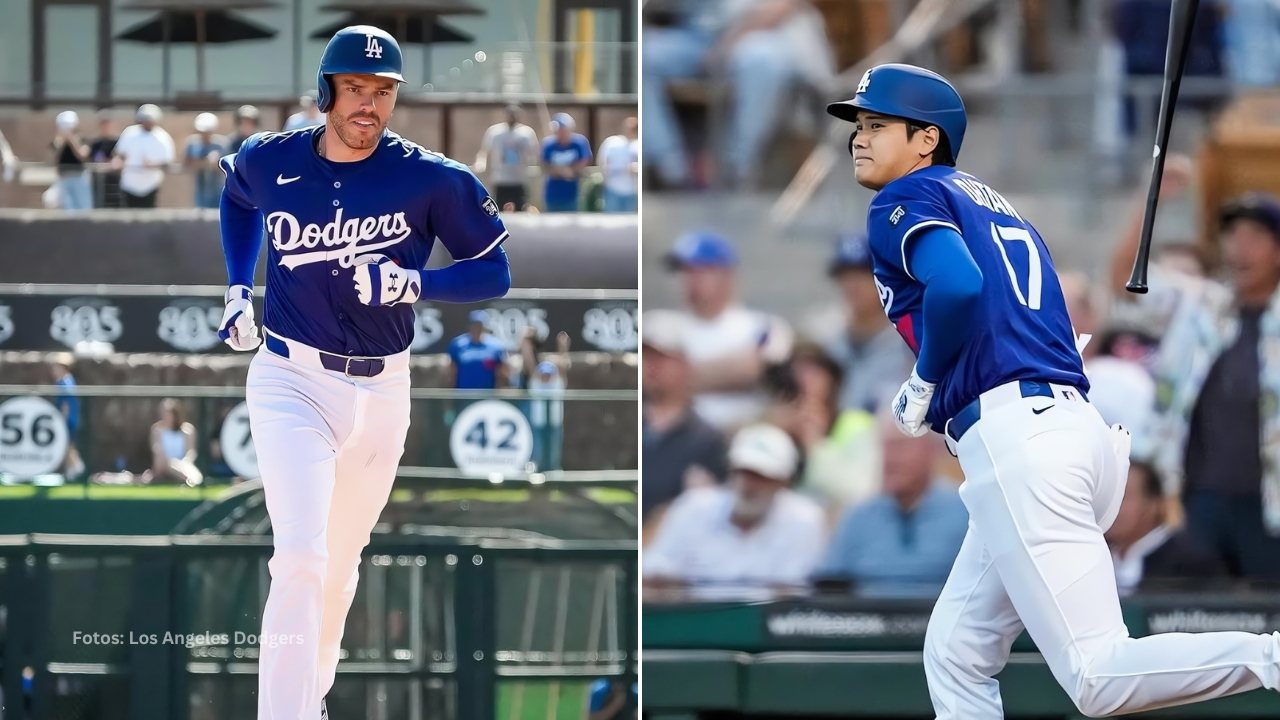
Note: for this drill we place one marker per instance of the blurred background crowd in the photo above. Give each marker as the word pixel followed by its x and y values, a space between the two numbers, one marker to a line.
pixel 769 460
pixel 102 165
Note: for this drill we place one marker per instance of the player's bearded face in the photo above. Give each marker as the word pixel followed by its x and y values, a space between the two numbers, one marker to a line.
pixel 361 108
pixel 882 151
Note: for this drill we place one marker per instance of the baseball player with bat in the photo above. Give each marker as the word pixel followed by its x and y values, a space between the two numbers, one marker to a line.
pixel 350 210
pixel 970 286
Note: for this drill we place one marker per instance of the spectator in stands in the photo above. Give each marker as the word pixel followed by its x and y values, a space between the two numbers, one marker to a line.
pixel 620 163
pixel 729 345
pixel 1121 389
pixel 144 151
pixel 863 341
pixel 173 449
pixel 106 180
pixel 1120 383
pixel 1218 374
pixel 753 531
pixel 565 155
pixel 1251 40
pixel 308 116
pixel 680 449
pixel 1147 552
pixel 766 49
pixel 546 414
pixel 70 152
pixel 506 153
pixel 478 358
pixel 68 403
pixel 904 541
pixel 842 458
pixel 1142 28
pixel 526 360
pixel 200 157
pixel 248 122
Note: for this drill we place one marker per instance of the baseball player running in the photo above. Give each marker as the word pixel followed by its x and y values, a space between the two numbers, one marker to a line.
pixel 970 286
pixel 351 210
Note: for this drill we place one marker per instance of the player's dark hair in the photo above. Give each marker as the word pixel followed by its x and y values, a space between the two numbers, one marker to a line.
pixel 942 153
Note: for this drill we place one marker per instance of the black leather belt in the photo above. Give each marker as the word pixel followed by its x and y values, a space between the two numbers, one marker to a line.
pixel 349 366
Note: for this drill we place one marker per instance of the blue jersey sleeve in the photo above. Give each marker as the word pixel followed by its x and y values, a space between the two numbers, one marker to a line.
pixel 241 223
pixel 238 168
pixel 464 217
pixel 901 211
pixel 548 144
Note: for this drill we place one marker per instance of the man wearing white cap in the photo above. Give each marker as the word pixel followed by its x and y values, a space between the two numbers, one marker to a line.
pixel 200 157
pixel 754 531
pixel 143 152
pixel 70 153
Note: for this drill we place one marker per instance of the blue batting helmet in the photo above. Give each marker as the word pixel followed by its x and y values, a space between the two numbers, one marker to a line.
pixel 911 93
pixel 360 49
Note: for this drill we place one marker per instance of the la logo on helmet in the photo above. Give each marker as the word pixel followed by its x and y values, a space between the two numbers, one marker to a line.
pixel 864 83
pixel 373 48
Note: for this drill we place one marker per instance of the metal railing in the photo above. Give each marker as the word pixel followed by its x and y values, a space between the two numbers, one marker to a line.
pixel 439 630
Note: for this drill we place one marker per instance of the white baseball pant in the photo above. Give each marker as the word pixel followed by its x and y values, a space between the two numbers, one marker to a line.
pixel 328 447
pixel 1041 488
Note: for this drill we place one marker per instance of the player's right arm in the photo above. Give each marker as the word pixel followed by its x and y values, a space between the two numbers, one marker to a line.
pixel 243 229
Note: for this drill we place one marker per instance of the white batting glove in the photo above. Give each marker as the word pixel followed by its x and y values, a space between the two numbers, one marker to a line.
pixel 911 404
pixel 237 328
pixel 380 281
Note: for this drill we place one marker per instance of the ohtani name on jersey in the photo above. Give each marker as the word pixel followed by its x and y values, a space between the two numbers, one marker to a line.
pixel 986 197
pixel 349 237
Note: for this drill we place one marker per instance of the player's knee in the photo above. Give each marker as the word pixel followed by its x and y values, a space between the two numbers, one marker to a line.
pixel 1092 697
pixel 940 659
pixel 299 560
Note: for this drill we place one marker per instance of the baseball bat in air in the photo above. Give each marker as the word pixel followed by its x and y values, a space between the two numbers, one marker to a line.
pixel 1182 15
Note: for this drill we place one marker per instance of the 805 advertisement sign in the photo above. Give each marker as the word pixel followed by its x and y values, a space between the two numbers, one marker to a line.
pixel 189 324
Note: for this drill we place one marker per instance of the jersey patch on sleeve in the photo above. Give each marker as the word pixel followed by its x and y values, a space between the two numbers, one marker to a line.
pixel 896 216
pixel 490 206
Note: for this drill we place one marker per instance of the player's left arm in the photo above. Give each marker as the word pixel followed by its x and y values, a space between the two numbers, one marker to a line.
pixel 466 220
pixel 938 258
pixel 952 286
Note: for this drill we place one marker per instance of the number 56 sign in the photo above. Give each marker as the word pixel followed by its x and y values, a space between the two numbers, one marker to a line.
pixel 33 437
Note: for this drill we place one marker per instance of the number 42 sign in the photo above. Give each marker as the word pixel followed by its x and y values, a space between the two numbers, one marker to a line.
pixel 491 436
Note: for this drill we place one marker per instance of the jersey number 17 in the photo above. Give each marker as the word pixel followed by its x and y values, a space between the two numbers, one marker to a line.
pixel 1001 235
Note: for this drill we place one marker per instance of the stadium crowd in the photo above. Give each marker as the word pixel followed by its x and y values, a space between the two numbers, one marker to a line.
pixel 125 168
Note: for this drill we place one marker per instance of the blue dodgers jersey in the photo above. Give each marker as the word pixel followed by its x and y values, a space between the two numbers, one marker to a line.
pixel 1023 332
pixel 559 191
pixel 476 362
pixel 321 215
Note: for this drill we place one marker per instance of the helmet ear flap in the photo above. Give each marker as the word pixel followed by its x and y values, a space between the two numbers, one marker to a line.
pixel 324 92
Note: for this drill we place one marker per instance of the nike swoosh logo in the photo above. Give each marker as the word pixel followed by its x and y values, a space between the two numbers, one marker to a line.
pixel 1037 411
pixel 282 180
